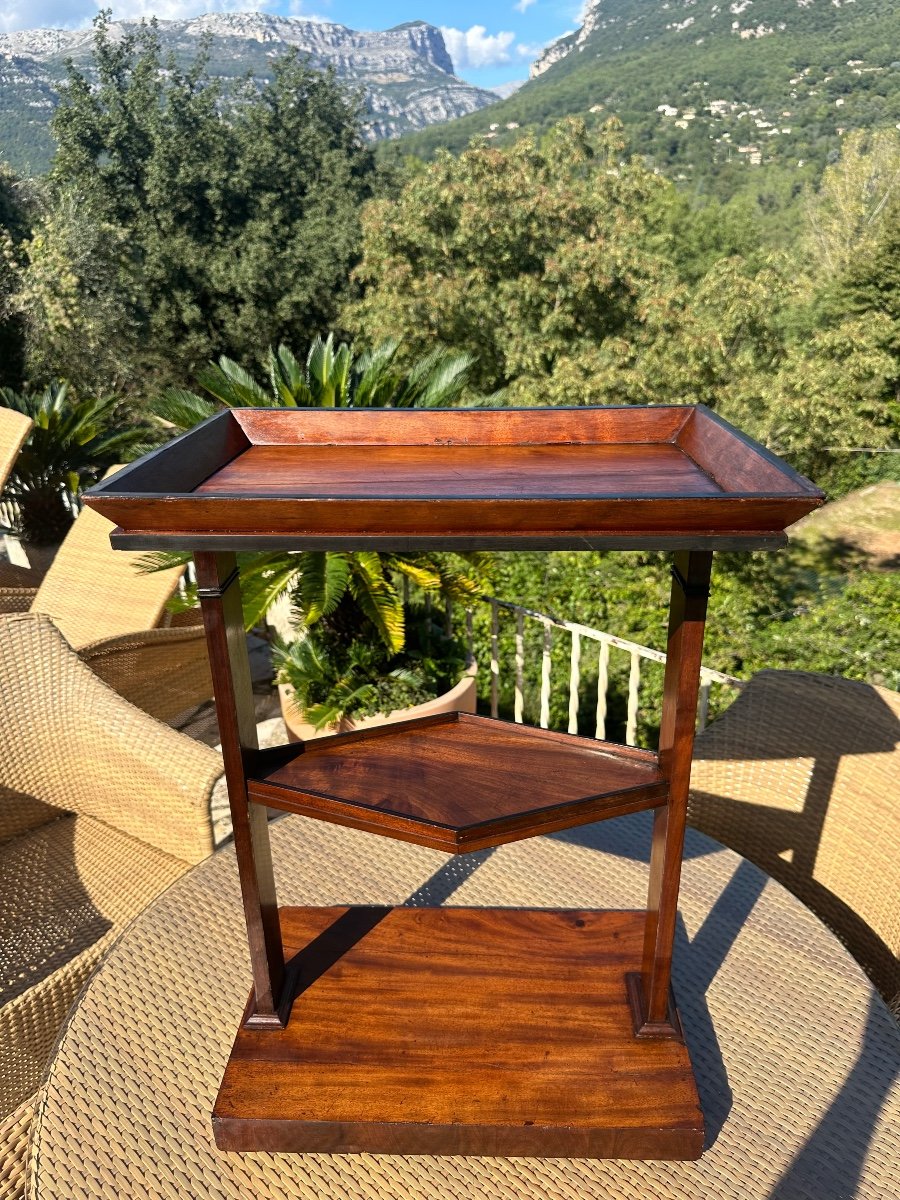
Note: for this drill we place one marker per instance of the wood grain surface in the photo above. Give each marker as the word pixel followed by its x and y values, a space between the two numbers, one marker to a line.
pixel 461 426
pixel 457 782
pixel 658 469
pixel 220 601
pixel 460 1031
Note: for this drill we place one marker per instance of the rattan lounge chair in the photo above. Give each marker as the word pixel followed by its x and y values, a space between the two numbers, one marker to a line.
pixel 101 808
pixel 14 429
pixel 115 616
pixel 802 776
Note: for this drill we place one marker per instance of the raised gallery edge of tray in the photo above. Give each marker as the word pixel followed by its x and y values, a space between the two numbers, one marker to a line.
pixel 666 477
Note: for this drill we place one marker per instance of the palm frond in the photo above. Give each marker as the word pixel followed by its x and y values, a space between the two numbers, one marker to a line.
pixel 376 377
pixel 324 576
pixel 287 379
pixel 235 387
pixel 377 599
pixel 340 374
pixel 342 698
pixel 420 573
pixel 438 378
pixel 264 577
pixel 182 408
pixel 319 362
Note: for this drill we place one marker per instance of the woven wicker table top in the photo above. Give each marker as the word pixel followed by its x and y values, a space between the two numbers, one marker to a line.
pixel 796 1058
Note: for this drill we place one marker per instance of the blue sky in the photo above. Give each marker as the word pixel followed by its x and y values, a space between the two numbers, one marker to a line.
pixel 490 44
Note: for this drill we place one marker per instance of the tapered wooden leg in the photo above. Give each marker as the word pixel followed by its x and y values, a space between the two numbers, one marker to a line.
pixel 220 602
pixel 687 619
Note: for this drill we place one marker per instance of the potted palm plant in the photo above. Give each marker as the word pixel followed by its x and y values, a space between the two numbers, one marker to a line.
pixel 370 648
pixel 368 643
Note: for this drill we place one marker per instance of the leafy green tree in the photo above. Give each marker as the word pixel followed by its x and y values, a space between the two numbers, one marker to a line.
pixel 15 226
pixel 577 277
pixel 535 259
pixel 832 396
pixel 213 224
pixel 75 298
pixel 853 203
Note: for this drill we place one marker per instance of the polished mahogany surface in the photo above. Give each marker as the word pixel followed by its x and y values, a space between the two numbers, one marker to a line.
pixel 460 1031
pixel 456 781
pixel 660 469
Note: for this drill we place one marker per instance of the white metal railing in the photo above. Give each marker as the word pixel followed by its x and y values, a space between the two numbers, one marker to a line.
pixel 578 634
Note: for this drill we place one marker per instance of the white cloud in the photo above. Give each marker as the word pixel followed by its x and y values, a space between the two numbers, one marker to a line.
pixel 44 14
pixel 523 5
pixel 172 10
pixel 475 47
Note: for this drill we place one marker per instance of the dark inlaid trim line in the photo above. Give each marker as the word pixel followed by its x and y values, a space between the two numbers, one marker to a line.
pixel 140 539
pixel 470 497
pixel 213 593
pixel 690 590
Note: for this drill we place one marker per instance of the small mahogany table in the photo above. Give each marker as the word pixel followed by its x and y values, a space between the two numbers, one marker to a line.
pixel 464 1030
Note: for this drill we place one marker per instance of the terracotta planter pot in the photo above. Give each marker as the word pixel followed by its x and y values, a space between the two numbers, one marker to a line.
pixel 460 698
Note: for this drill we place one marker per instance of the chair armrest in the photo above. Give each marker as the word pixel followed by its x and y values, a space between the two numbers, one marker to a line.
pixel 162 671
pixel 144 778
pixel 71 741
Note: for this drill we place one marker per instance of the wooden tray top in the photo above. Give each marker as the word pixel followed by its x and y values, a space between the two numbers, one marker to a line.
pixel 664 477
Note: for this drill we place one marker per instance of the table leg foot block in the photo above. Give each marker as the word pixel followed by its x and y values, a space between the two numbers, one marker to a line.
pixel 485 1031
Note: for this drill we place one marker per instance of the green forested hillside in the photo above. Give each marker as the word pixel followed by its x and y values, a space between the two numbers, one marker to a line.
pixel 711 92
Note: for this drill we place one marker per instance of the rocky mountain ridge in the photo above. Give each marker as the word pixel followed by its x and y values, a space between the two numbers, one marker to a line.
pixel 405 73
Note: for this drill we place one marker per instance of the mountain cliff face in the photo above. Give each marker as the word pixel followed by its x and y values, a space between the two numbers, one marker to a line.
pixel 712 89
pixel 405 73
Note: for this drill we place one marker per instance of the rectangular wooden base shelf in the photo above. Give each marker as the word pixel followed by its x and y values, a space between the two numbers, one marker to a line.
pixel 457 782
pixel 460 1031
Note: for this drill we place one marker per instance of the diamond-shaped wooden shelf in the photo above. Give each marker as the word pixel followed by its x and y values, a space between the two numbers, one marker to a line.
pixel 457 782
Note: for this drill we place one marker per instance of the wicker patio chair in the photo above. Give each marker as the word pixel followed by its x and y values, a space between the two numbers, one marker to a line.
pixel 101 808
pixel 115 616
pixel 14 429
pixel 802 776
